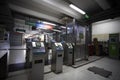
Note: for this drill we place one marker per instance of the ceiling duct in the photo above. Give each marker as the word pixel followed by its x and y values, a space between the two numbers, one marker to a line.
pixel 66 20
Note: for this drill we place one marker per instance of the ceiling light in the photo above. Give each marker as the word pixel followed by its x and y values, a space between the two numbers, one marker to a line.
pixel 48 23
pixel 77 9
pixel 63 27
pixel 56 30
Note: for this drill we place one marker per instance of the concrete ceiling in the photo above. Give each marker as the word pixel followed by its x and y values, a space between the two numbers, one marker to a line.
pixel 91 7
pixel 56 10
pixel 53 10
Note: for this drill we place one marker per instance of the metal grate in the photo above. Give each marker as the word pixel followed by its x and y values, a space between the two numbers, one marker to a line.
pixel 100 71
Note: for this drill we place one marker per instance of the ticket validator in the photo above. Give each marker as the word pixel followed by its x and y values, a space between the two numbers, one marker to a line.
pixel 57 57
pixel 68 54
pixel 38 55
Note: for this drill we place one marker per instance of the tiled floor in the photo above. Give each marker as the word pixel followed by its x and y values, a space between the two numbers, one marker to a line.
pixel 81 73
pixel 84 62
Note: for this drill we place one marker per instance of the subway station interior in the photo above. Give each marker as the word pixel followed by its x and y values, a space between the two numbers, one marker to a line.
pixel 59 39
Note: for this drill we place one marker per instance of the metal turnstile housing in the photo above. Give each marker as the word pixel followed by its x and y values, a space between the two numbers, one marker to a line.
pixel 38 56
pixel 57 57
pixel 68 54
pixel 38 67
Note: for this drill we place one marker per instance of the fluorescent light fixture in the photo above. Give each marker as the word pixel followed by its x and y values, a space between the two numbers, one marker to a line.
pixel 68 28
pixel 48 23
pixel 56 30
pixel 63 27
pixel 77 9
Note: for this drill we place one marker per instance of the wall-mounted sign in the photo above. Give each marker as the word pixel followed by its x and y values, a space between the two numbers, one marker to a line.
pixel 30 23
pixel 20 30
pixel 43 26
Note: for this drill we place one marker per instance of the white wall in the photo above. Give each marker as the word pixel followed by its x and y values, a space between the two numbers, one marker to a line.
pixel 102 29
pixel 106 27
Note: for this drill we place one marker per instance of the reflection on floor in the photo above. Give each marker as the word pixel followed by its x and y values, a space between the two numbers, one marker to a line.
pixel 80 73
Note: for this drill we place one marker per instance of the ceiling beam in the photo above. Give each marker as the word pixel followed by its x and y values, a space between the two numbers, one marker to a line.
pixel 34 13
pixel 107 14
pixel 103 4
pixel 61 6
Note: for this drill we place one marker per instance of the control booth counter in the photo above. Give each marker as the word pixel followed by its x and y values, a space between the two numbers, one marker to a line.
pixel 57 57
pixel 68 54
pixel 38 55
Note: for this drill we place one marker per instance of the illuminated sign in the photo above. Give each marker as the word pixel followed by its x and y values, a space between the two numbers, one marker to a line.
pixel 43 26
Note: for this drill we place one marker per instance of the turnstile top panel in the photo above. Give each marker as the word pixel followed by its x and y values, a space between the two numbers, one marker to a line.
pixel 69 45
pixel 59 46
pixel 38 48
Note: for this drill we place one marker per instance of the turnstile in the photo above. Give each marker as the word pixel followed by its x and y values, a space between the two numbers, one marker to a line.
pixel 57 57
pixel 68 54
pixel 28 57
pixel 38 55
pixel 73 57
